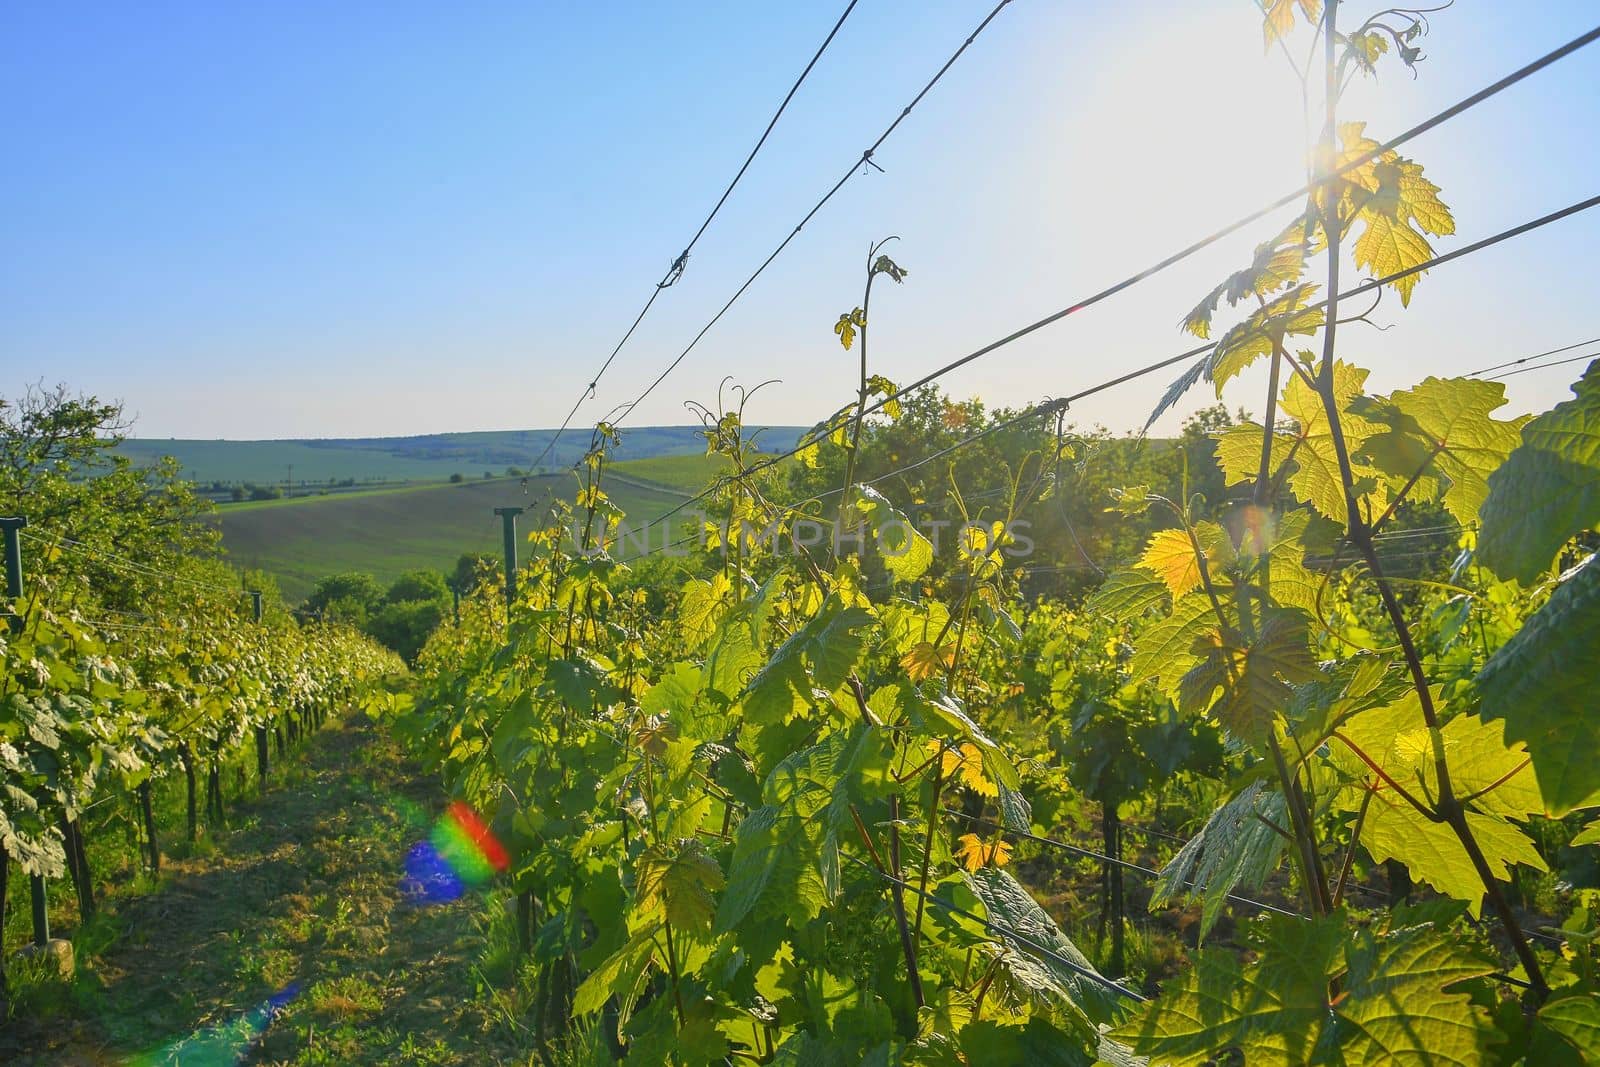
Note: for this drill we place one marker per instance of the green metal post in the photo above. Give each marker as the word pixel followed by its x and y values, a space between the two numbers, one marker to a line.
pixel 508 520
pixel 13 530
pixel 261 731
pixel 13 527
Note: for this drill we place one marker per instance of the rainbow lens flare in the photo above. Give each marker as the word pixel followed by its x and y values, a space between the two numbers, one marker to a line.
pixel 460 854
pixel 224 1044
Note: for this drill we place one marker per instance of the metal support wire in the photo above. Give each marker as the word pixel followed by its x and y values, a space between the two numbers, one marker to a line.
pixel 1125 864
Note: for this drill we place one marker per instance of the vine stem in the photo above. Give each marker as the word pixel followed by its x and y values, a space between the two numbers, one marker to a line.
pixel 898 892
pixel 927 849
pixel 861 410
pixel 1350 853
pixel 1449 809
pixel 1310 860
pixel 672 965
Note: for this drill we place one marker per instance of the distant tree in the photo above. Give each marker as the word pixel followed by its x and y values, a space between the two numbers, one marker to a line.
pixel 417 585
pixel 457 478
pixel 265 492
pixel 472 568
pixel 514 472
pixel 487 475
pixel 60 468
pixel 405 625
pixel 350 597
pixel 237 494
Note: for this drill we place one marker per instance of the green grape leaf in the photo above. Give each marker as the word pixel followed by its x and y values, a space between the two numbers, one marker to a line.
pixel 774 873
pixel 949 719
pixel 1273 267
pixel 1396 738
pixel 1126 595
pixel 1239 452
pixel 619 975
pixel 1269 1013
pixel 38 853
pixel 1442 430
pixel 1180 385
pixel 1171 555
pixel 1548 489
pixel 905 552
pixel 885 265
pixel 677 880
pixel 834 647
pixel 1391 1007
pixel 1294 586
pixel 1254 678
pixel 1236 847
pixel 1008 905
pixel 1165 650
pixel 701 606
pixel 581 683
pixel 1283 316
pixel 828 641
pixel 1542 683
pixel 1395 1007
pixel 1567 1032
pixel 1316 478
pixel 1395 204
pixel 1433 853
pixel 1037 1043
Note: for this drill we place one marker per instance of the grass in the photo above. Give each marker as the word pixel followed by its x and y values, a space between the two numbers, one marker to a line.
pixel 302 892
pixel 689 474
pixel 385 533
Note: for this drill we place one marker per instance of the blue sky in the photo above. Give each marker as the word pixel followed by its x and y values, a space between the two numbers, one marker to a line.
pixel 297 219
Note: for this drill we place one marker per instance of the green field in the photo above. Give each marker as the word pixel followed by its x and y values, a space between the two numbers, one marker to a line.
pixel 688 473
pixel 426 458
pixel 386 532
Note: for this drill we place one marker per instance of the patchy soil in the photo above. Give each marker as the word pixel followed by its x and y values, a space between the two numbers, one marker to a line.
pixel 292 943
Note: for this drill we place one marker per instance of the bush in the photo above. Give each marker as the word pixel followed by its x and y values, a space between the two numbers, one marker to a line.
pixel 351 597
pixel 417 585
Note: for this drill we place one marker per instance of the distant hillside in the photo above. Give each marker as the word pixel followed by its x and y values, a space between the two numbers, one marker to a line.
pixel 386 532
pixel 426 458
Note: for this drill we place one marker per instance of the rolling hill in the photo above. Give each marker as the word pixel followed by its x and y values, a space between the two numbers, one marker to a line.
pixel 388 531
pixel 426 458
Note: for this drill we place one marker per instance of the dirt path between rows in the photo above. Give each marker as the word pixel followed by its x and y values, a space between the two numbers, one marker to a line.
pixel 293 943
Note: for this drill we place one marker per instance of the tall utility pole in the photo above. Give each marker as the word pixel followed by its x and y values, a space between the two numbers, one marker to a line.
pixel 508 522
pixel 288 483
pixel 13 527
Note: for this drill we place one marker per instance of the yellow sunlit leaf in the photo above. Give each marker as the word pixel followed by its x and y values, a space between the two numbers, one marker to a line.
pixel 925 660
pixel 976 854
pixel 1171 555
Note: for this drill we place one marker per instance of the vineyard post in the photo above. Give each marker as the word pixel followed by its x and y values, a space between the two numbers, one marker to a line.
pixel 13 530
pixel 508 523
pixel 508 526
pixel 261 730
pixel 13 527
